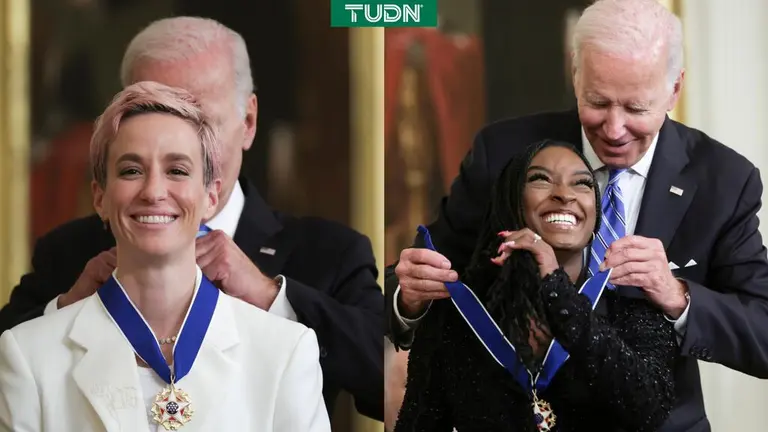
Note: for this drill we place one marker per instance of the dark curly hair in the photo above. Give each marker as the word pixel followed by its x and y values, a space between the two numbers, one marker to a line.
pixel 511 292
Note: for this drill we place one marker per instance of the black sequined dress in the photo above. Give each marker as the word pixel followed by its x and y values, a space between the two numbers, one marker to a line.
pixel 618 376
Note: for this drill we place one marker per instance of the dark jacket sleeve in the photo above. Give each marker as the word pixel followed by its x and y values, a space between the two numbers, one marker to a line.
pixel 734 305
pixel 424 406
pixel 454 233
pixel 629 358
pixel 29 298
pixel 348 326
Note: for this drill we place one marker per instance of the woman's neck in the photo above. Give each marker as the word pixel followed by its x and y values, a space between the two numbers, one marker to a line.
pixel 571 262
pixel 161 289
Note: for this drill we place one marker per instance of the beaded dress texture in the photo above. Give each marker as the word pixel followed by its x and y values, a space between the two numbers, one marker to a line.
pixel 618 377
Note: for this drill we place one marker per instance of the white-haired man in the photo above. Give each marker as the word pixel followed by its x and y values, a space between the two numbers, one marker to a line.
pixel 310 270
pixel 688 240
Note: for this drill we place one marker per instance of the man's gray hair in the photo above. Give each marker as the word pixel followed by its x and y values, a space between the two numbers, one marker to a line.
pixel 181 38
pixel 629 27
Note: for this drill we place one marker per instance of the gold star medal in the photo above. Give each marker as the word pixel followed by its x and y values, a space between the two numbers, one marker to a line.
pixel 172 408
pixel 542 414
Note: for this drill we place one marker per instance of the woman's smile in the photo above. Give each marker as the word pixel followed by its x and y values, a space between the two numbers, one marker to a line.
pixel 155 192
pixel 152 220
pixel 559 198
pixel 155 219
pixel 560 221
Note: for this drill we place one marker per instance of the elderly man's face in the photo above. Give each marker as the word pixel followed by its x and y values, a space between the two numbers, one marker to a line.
pixel 622 103
pixel 210 79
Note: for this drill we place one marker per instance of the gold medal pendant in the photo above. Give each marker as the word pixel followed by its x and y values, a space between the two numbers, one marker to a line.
pixel 172 408
pixel 543 415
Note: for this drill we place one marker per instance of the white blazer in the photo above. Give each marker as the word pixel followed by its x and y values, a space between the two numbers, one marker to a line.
pixel 74 371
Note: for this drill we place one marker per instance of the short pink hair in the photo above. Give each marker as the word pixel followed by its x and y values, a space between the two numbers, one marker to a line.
pixel 151 97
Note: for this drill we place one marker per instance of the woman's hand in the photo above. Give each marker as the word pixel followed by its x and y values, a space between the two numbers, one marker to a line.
pixel 527 240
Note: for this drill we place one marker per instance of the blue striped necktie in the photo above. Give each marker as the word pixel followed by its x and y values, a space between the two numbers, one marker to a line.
pixel 613 225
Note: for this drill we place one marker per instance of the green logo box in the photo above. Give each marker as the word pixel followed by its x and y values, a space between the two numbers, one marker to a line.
pixel 383 13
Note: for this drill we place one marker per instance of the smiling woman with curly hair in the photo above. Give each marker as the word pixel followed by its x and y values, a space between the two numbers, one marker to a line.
pixel 529 261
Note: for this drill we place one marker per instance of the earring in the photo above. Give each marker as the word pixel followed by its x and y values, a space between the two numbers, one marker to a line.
pixel 106 224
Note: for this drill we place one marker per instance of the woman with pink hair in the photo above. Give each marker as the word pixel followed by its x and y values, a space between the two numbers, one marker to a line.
pixel 158 347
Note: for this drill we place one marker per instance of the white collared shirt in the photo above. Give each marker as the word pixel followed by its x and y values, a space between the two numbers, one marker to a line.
pixel 631 183
pixel 227 220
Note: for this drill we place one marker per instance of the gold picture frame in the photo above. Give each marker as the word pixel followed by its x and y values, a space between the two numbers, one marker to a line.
pixel 676 6
pixel 366 60
pixel 14 142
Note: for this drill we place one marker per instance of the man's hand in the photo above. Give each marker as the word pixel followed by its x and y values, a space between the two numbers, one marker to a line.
pixel 94 275
pixel 422 274
pixel 229 268
pixel 642 262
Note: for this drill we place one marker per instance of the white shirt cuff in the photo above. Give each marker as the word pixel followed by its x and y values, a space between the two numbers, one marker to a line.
pixel 281 306
pixel 681 324
pixel 407 324
pixel 52 306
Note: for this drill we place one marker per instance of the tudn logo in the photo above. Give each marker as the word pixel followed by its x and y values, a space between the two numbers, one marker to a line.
pixel 388 13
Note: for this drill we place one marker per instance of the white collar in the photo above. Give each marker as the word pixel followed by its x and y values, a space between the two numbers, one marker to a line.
pixel 642 167
pixel 229 216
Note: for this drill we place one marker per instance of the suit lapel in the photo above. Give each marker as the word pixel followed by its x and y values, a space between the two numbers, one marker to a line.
pixel 662 209
pixel 260 235
pixel 107 373
pixel 215 370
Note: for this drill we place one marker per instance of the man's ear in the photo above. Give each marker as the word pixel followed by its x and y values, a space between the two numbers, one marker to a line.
pixel 213 200
pixel 251 115
pixel 98 199
pixel 574 71
pixel 676 91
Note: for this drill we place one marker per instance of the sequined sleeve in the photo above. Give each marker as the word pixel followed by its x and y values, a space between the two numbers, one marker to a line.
pixel 424 406
pixel 628 356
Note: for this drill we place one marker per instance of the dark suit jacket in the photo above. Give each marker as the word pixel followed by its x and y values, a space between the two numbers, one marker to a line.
pixel 714 222
pixel 331 284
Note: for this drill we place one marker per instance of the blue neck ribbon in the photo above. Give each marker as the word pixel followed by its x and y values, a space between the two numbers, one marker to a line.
pixel 498 346
pixel 143 340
